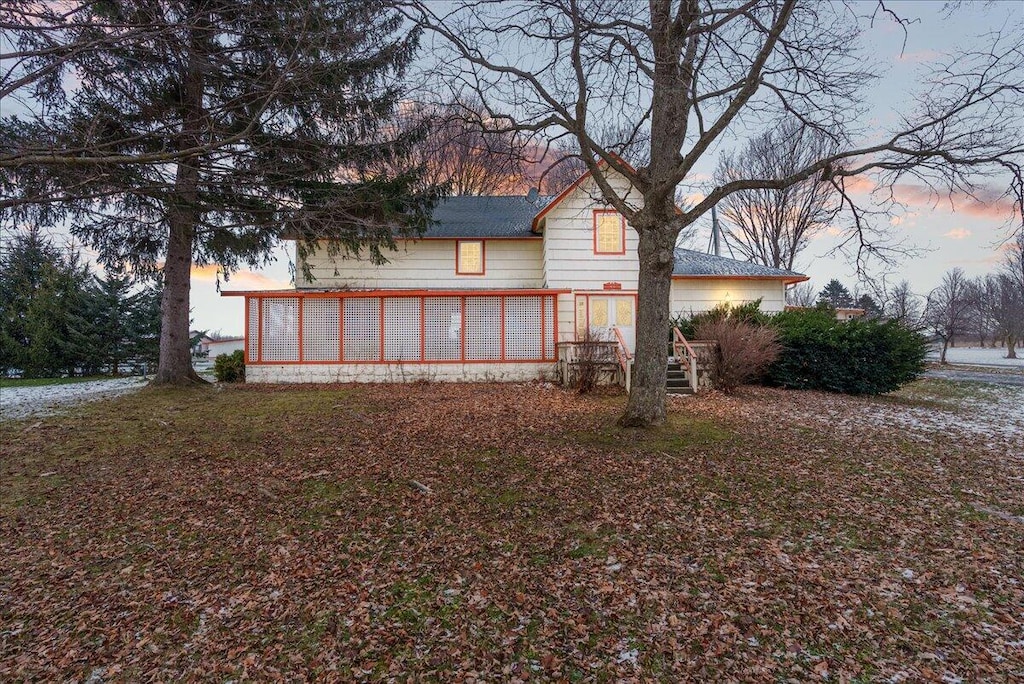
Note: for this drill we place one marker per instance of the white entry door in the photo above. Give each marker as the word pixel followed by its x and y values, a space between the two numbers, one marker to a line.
pixel 603 312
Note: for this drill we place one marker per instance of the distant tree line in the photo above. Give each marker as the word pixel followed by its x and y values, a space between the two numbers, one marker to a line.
pixel 59 319
pixel 988 309
pixel 835 295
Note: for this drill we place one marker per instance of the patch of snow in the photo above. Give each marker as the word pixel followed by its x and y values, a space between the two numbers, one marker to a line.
pixel 630 656
pixel 979 356
pixel 993 414
pixel 23 402
pixel 96 676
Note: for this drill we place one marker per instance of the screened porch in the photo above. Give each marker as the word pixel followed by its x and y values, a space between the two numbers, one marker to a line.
pixel 401 327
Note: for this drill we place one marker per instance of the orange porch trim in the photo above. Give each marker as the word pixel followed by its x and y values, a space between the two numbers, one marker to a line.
pixel 283 338
pixel 342 294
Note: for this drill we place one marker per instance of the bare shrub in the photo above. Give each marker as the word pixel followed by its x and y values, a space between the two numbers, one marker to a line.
pixel 594 353
pixel 743 351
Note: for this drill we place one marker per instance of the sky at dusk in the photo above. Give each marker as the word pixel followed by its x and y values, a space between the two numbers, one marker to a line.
pixel 948 232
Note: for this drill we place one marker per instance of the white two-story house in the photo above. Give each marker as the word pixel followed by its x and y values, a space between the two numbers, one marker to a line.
pixel 487 293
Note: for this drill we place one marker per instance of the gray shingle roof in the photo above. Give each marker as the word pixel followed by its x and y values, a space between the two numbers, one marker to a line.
pixel 691 263
pixel 483 217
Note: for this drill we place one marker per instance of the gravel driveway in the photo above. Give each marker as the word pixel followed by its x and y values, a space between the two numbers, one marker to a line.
pixel 23 402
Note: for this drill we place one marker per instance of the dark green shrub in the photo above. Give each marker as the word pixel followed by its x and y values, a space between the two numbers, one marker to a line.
pixel 853 357
pixel 230 367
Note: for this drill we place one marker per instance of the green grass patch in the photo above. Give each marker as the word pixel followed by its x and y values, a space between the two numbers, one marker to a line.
pixel 678 434
pixel 935 393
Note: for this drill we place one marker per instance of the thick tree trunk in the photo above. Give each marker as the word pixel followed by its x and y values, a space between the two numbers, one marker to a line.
pixel 942 354
pixel 1011 347
pixel 646 404
pixel 175 365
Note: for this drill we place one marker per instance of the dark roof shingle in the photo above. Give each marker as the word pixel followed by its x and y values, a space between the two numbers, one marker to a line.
pixel 484 217
pixel 697 264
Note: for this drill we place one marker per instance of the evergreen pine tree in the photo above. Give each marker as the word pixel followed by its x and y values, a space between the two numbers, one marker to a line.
pixel 835 295
pixel 142 348
pixel 867 302
pixel 197 131
pixel 41 292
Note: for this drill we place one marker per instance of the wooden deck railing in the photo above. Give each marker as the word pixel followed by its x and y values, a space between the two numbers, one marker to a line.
pixel 684 353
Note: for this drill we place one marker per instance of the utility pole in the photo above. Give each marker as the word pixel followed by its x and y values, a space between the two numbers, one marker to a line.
pixel 715 234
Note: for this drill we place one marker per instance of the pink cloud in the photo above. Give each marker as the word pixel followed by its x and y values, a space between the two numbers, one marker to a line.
pixel 985 203
pixel 957 234
pixel 861 184
pixel 240 280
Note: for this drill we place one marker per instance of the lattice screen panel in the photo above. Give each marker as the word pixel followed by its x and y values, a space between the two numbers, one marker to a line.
pixel 550 334
pixel 442 328
pixel 253 340
pixel 401 328
pixel 280 329
pixel 522 328
pixel 320 330
pixel 362 329
pixel 483 328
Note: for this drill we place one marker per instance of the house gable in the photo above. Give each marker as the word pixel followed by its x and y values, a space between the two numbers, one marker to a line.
pixel 571 256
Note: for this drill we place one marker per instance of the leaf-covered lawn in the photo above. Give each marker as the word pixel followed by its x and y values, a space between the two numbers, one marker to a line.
pixel 262 532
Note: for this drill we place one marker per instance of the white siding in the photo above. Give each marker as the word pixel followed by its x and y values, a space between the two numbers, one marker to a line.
pixel 693 295
pixel 215 349
pixel 423 264
pixel 569 259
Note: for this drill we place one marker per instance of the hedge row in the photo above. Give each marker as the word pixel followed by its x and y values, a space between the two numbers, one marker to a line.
pixel 860 356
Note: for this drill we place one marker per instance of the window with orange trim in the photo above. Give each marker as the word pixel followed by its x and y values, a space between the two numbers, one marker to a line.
pixel 469 257
pixel 609 232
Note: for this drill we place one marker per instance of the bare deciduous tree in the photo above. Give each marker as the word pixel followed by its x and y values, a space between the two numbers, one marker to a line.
pixel 900 304
pixel 984 294
pixel 681 75
pixel 771 226
pixel 948 309
pixel 802 294
pixel 462 152
pixel 1008 307
pixel 558 169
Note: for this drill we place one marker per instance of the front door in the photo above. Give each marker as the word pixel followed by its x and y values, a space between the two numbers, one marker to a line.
pixel 600 313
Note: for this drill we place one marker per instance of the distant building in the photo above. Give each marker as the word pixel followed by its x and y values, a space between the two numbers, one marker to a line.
pixel 212 347
pixel 841 314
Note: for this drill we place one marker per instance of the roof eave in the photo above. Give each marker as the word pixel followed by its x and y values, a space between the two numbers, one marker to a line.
pixel 786 278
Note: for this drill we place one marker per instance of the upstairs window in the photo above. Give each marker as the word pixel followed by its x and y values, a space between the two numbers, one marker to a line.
pixel 609 232
pixel 469 257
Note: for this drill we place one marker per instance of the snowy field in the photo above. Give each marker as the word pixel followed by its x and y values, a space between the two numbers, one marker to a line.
pixel 22 402
pixel 932 411
pixel 978 356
